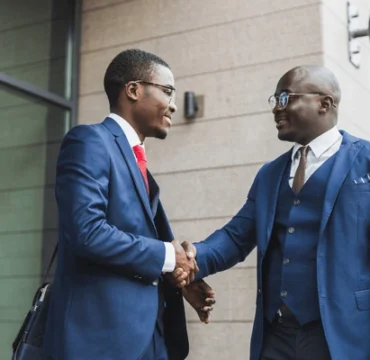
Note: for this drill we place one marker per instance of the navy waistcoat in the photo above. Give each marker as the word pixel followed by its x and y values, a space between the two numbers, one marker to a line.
pixel 289 267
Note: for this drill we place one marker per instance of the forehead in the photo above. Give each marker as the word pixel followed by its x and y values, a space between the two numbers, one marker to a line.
pixel 163 75
pixel 294 81
pixel 299 82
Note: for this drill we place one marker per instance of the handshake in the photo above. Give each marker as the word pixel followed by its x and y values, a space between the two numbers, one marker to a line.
pixel 186 266
pixel 197 293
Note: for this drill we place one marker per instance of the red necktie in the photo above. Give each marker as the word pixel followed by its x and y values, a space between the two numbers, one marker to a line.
pixel 141 162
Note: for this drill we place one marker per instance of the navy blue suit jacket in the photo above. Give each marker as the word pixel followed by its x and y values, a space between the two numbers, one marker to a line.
pixel 343 253
pixel 104 301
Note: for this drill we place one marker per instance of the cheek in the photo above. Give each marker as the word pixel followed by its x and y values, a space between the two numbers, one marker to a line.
pixel 155 108
pixel 161 108
pixel 299 117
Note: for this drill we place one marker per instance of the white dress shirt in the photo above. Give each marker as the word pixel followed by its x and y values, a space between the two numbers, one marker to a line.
pixel 133 139
pixel 321 149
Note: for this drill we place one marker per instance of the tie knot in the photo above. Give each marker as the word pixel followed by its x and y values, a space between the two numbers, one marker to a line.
pixel 303 151
pixel 139 153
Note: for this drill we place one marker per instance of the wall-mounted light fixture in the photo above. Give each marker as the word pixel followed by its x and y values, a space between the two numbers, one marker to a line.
pixel 354 48
pixel 190 105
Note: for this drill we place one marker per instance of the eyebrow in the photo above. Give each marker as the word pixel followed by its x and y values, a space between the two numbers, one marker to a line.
pixel 284 90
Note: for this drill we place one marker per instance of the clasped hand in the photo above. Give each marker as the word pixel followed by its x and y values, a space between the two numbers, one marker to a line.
pixel 186 266
pixel 197 293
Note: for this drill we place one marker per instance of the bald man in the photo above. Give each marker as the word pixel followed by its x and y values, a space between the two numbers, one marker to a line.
pixel 308 213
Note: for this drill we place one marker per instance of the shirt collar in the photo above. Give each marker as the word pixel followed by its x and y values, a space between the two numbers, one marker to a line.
pixel 320 144
pixel 132 136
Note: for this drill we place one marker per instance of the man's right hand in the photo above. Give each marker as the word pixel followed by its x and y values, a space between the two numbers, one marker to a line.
pixel 185 268
pixel 191 252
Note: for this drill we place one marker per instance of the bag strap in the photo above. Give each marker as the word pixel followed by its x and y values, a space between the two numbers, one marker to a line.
pixel 50 263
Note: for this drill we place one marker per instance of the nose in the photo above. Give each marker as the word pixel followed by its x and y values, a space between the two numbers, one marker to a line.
pixel 277 109
pixel 172 107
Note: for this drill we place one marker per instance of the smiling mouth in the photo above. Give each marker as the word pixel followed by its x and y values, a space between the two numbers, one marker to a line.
pixel 280 122
pixel 168 120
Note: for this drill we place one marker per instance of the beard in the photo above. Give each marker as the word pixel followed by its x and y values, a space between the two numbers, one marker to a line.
pixel 161 133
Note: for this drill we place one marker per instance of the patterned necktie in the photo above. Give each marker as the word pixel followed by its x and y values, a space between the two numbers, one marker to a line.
pixel 141 162
pixel 299 176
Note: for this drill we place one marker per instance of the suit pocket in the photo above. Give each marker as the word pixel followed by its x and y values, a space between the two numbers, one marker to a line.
pixel 359 187
pixel 363 299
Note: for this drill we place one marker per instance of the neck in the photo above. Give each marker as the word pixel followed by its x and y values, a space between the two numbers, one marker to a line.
pixel 126 115
pixel 307 140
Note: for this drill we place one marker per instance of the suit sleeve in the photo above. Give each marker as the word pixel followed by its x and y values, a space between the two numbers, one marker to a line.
pixel 231 244
pixel 82 186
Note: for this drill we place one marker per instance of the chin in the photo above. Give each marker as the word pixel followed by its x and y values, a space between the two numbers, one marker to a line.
pixel 161 133
pixel 286 136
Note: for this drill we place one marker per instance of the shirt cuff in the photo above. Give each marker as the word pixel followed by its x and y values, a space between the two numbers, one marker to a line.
pixel 170 260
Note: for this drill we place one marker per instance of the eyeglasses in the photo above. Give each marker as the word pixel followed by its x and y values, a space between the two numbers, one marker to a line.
pixel 283 99
pixel 170 91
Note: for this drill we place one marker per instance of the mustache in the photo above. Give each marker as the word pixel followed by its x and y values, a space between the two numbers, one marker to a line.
pixel 281 117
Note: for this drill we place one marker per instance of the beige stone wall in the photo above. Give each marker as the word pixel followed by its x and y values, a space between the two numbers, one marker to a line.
pixel 355 83
pixel 232 52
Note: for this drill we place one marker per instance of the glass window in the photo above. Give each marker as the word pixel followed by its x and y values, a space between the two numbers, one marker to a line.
pixel 30 136
pixel 34 43
pixel 39 42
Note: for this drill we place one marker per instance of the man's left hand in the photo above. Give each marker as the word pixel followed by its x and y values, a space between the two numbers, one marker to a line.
pixel 201 297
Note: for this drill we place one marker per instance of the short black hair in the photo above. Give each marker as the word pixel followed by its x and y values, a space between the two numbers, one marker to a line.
pixel 128 65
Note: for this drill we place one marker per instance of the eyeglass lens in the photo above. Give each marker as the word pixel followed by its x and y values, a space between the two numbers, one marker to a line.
pixel 281 100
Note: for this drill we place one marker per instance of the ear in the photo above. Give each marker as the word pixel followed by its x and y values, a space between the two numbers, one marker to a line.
pixel 132 91
pixel 325 104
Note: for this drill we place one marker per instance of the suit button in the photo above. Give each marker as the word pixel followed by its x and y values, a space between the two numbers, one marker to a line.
pixel 286 261
pixel 291 230
pixel 284 294
pixel 155 283
pixel 259 291
pixel 297 202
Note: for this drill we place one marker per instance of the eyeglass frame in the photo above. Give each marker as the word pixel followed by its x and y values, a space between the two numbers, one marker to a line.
pixel 168 87
pixel 277 98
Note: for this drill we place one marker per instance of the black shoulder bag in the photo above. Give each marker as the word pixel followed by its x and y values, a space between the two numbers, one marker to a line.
pixel 29 341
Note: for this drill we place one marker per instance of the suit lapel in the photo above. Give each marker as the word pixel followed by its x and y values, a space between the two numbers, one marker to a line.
pixel 275 175
pixel 342 165
pixel 154 193
pixel 129 157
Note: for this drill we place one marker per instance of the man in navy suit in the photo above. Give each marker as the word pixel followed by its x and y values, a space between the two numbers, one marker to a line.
pixel 308 214
pixel 117 289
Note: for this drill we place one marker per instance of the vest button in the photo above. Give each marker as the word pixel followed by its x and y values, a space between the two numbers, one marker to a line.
pixel 286 261
pixel 284 294
pixel 297 202
pixel 291 230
